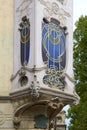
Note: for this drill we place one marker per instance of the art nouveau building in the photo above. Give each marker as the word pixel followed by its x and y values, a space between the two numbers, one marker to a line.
pixel 36 75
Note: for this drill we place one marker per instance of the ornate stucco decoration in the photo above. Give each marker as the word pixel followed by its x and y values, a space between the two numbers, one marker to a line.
pixel 54 79
pixel 35 87
pixel 52 107
pixel 24 8
pixel 22 71
pixel 53 9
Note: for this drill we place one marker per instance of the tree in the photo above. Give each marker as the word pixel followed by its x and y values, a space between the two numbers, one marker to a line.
pixel 78 114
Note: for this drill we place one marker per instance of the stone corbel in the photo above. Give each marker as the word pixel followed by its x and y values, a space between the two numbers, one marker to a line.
pixel 55 105
pixel 16 122
pixel 35 87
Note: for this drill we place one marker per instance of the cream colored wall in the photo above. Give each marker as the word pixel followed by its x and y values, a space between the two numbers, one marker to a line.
pixel 6 45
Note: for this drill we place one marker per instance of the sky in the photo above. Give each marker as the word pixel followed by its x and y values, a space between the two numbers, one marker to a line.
pixel 79 8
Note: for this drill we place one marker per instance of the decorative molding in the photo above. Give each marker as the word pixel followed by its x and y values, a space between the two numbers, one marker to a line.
pixel 55 105
pixel 35 87
pixel 26 92
pixel 23 9
pixel 54 79
pixel 5 99
pixel 70 78
pixel 65 97
pixel 16 122
pixel 22 71
pixel 24 6
pixel 52 9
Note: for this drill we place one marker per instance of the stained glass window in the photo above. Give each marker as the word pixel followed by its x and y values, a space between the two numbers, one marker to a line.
pixel 24 41
pixel 53 44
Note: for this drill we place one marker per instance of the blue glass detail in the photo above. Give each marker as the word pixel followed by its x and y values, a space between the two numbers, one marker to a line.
pixel 53 45
pixel 25 31
pixel 24 41
pixel 41 122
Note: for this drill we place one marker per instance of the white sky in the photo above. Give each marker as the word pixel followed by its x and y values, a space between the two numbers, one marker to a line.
pixel 79 8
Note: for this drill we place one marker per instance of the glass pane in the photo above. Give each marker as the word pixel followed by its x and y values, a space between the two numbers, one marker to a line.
pixel 53 45
pixel 24 41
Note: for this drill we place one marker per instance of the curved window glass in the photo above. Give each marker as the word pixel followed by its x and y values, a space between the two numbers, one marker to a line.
pixel 53 45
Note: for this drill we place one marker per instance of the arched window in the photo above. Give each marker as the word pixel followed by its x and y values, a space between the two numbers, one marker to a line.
pixel 53 45
pixel 24 41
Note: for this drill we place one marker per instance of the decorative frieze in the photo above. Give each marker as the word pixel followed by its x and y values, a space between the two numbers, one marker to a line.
pixel 35 87
pixel 23 7
pixel 52 9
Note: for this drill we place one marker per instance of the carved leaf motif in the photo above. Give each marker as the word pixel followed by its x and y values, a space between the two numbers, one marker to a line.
pixel 55 8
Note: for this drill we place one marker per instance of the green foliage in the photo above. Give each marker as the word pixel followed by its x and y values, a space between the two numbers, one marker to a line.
pixel 78 114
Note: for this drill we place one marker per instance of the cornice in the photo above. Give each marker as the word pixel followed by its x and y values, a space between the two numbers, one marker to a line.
pixel 5 99
pixel 48 92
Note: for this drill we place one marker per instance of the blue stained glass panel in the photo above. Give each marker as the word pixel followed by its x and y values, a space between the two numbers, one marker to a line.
pixel 24 41
pixel 53 45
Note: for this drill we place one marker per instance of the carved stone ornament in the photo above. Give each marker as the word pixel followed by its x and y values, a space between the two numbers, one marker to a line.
pixel 53 9
pixel 16 122
pixel 22 71
pixel 54 79
pixel 35 87
pixel 23 8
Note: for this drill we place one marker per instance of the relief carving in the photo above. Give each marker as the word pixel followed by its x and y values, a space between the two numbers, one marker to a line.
pixel 24 8
pixel 23 5
pixel 53 9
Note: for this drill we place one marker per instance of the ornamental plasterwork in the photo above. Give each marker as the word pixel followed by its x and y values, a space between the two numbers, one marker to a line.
pixel 24 8
pixel 53 9
pixel 54 79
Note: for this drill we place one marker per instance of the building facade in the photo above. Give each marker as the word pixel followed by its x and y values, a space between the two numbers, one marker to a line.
pixel 36 75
